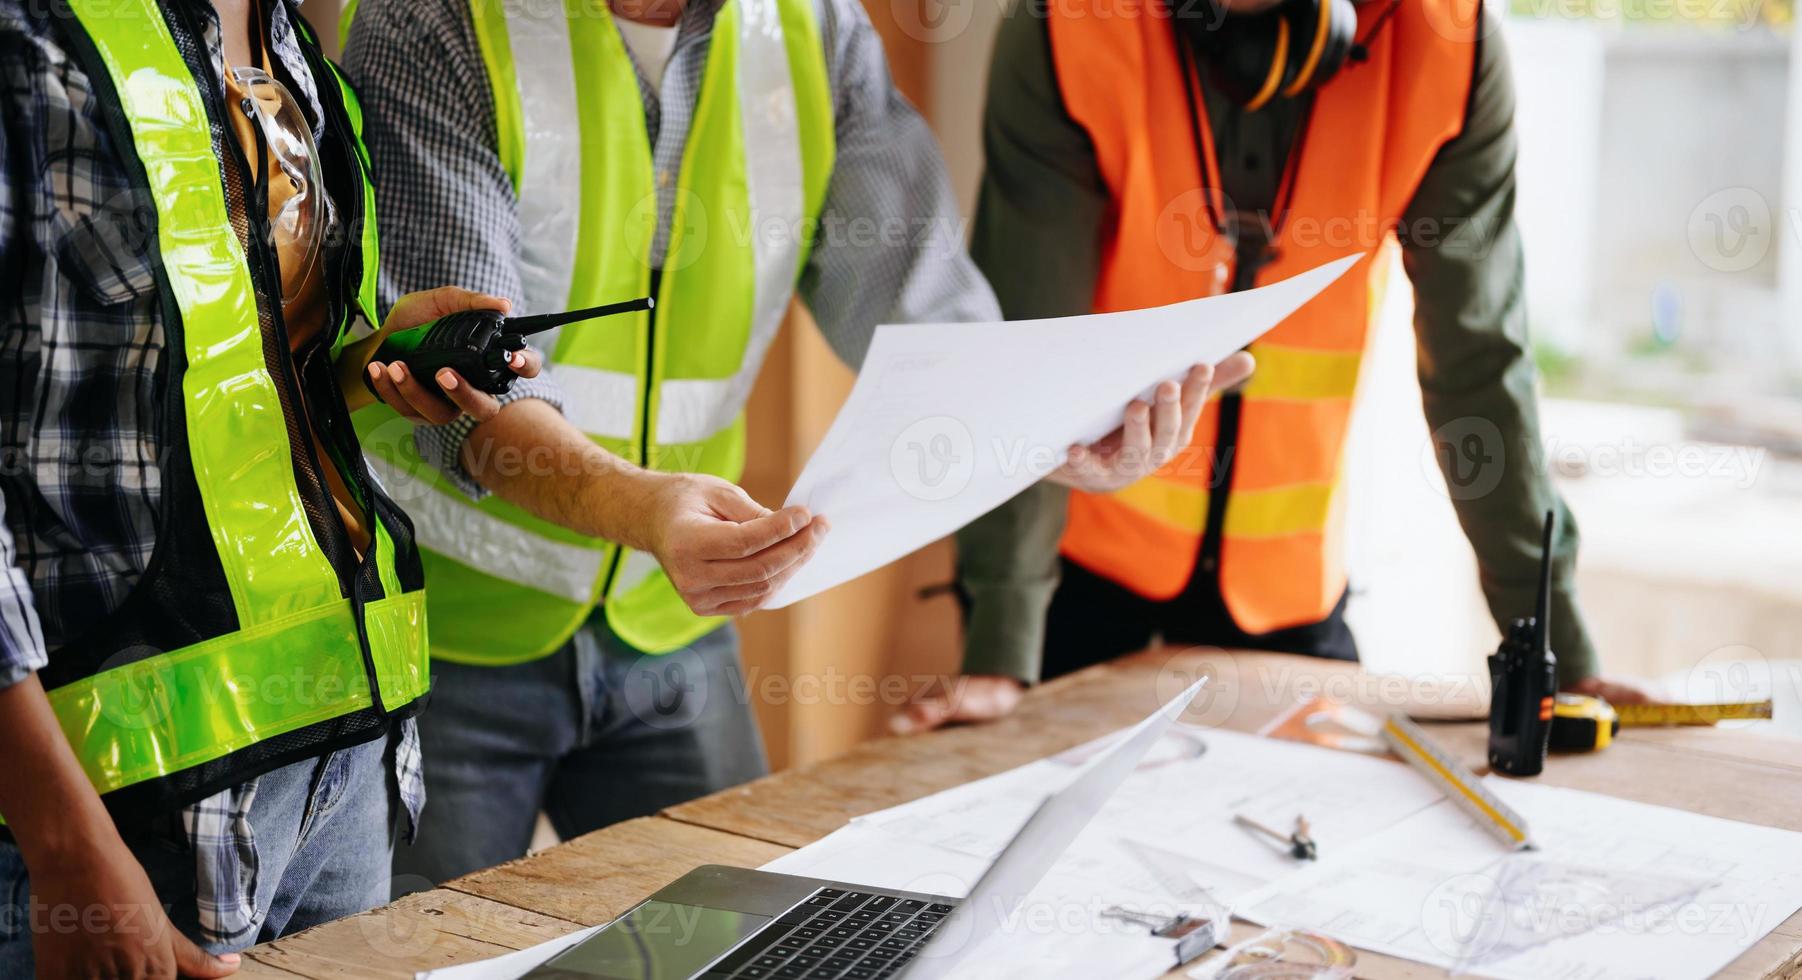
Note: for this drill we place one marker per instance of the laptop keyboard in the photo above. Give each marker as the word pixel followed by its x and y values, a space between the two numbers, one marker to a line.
pixel 836 934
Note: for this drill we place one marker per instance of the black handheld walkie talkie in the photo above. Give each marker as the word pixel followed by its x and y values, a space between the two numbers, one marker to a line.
pixel 479 344
pixel 1524 676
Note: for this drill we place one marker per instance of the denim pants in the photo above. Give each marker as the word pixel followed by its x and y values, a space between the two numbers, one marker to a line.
pixel 322 836
pixel 593 734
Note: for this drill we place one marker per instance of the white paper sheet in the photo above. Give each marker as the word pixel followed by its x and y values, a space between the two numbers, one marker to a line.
pixel 509 966
pixel 1165 843
pixel 1170 827
pixel 947 421
pixel 1000 908
pixel 1617 890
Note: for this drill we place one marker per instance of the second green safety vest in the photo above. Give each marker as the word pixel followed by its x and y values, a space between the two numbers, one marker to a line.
pixel 666 388
pixel 254 638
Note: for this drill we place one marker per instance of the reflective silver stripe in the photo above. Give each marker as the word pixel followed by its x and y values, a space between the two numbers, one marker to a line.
pixel 600 403
pixel 549 184
pixel 637 567
pixel 454 528
pixel 604 403
pixel 773 171
pixel 693 410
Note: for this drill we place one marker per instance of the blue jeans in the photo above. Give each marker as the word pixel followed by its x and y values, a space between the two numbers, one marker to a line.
pixel 322 833
pixel 593 734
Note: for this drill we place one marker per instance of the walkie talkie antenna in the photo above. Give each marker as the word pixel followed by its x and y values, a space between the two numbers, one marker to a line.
pixel 1541 630
pixel 546 321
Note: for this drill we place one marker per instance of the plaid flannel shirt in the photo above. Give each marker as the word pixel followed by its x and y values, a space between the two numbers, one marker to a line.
pixel 81 344
pixel 891 242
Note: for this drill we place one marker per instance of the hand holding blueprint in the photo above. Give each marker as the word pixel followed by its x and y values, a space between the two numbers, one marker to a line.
pixel 949 420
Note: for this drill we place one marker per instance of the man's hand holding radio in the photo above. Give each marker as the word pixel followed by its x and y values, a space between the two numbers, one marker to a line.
pixel 400 390
pixel 417 403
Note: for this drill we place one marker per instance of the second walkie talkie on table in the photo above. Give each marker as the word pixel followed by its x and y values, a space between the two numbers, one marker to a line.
pixel 1523 675
pixel 479 344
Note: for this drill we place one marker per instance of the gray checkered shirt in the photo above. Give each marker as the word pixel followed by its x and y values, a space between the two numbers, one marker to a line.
pixel 81 345
pixel 891 241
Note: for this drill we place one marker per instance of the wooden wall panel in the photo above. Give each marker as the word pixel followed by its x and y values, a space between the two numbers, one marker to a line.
pixel 823 673
pixel 323 15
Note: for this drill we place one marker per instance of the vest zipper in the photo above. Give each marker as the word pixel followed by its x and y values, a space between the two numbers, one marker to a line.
pixel 644 410
pixel 354 469
pixel 280 362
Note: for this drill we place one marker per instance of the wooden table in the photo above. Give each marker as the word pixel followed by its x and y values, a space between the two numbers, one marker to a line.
pixel 592 879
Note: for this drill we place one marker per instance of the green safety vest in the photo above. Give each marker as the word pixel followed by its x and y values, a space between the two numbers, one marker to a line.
pixel 667 388
pixel 251 641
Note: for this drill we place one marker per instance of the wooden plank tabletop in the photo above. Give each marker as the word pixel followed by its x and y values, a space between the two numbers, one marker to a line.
pixel 594 878
pixel 512 906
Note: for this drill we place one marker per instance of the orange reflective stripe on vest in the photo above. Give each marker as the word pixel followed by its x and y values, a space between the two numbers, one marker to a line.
pixel 1374 130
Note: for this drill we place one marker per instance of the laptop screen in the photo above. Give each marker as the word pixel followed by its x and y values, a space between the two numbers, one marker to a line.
pixel 1040 841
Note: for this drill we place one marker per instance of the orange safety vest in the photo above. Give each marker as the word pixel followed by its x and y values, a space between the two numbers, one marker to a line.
pixel 1375 129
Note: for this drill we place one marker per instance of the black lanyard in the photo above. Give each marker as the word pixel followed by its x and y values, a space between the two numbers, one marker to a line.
pixel 1251 254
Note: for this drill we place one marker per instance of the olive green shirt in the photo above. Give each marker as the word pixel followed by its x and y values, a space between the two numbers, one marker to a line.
pixel 1040 222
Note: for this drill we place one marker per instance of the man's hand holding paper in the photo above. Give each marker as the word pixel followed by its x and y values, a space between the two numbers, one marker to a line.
pixel 1150 435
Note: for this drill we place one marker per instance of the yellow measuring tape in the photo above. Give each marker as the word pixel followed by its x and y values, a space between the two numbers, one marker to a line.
pixel 1654 715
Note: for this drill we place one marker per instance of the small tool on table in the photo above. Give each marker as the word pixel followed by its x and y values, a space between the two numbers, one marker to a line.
pixel 1194 935
pixel 1297 844
pixel 1523 675
pixel 1458 783
pixel 1582 723
pixel 1660 715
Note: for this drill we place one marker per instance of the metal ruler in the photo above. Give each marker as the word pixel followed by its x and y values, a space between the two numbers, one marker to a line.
pixel 1458 783
pixel 1654 715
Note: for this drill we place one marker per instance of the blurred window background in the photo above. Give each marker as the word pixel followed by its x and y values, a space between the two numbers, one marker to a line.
pixel 1660 178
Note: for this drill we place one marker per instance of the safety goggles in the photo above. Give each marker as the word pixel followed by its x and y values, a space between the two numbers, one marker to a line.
pixel 300 213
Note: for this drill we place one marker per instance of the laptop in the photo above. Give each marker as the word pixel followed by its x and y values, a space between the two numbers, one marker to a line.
pixel 721 923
